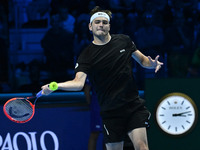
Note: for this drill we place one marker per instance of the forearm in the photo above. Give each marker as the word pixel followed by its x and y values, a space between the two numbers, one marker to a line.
pixel 145 63
pixel 70 86
pixel 76 84
pixel 142 59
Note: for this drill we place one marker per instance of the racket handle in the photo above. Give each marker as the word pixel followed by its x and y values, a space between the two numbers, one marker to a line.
pixel 39 94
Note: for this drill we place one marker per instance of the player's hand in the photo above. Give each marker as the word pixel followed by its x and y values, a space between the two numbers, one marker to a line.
pixel 46 90
pixel 155 63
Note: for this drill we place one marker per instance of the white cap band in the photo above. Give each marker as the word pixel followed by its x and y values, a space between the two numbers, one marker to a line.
pixel 99 14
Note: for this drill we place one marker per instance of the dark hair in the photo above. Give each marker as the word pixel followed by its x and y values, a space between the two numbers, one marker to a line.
pixel 98 9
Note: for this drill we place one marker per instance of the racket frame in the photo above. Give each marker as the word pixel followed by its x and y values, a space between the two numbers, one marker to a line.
pixel 31 104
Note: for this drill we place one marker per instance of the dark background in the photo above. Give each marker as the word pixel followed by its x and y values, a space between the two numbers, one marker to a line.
pixel 40 40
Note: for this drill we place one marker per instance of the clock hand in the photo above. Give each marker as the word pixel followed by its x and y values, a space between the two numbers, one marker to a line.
pixel 185 112
pixel 178 115
pixel 181 114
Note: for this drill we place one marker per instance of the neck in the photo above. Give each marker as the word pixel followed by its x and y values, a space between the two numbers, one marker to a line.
pixel 101 40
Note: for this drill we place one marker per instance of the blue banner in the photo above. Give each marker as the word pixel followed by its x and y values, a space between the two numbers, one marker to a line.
pixel 52 128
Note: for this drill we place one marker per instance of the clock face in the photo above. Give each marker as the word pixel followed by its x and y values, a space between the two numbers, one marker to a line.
pixel 176 114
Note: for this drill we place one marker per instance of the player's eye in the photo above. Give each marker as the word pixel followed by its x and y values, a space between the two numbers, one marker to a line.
pixel 105 22
pixel 99 21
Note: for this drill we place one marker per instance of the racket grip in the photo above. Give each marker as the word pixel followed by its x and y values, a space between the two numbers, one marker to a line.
pixel 39 94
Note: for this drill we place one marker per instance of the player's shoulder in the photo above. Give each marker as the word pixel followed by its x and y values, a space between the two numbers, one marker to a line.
pixel 87 50
pixel 121 36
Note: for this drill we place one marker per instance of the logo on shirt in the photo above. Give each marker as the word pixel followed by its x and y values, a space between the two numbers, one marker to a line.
pixel 76 66
pixel 121 51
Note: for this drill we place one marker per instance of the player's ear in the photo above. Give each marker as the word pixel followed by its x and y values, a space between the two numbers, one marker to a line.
pixel 90 26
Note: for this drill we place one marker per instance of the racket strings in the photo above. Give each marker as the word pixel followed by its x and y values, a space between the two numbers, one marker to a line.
pixel 19 109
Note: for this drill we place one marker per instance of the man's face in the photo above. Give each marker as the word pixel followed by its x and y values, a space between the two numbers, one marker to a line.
pixel 100 26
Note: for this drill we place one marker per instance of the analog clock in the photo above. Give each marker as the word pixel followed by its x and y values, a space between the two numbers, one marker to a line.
pixel 176 114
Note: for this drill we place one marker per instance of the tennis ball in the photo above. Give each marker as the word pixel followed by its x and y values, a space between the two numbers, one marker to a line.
pixel 53 86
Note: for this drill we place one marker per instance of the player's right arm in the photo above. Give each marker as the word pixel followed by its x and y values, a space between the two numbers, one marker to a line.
pixel 76 84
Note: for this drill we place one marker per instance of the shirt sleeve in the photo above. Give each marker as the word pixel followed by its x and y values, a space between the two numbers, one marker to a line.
pixel 82 64
pixel 131 44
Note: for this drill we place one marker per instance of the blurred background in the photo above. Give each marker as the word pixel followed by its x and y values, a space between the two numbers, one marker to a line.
pixel 40 41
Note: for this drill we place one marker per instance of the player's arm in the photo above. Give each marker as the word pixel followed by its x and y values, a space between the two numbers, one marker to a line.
pixel 73 85
pixel 147 61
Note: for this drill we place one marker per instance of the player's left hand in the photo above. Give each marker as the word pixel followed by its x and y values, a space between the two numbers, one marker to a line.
pixel 155 63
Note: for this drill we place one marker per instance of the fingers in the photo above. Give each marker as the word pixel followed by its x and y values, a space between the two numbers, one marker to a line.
pixel 155 63
pixel 160 63
pixel 46 90
pixel 157 68
pixel 151 60
pixel 156 59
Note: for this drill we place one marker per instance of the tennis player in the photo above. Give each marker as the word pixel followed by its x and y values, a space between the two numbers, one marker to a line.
pixel 107 63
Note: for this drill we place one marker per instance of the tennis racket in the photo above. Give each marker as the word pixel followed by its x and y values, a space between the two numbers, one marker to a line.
pixel 22 110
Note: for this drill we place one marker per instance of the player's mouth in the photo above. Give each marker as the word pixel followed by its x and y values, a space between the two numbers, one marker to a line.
pixel 100 30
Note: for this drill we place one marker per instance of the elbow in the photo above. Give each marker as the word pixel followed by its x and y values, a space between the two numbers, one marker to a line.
pixel 80 87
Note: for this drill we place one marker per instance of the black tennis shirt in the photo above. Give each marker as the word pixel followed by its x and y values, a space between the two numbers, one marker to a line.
pixel 109 68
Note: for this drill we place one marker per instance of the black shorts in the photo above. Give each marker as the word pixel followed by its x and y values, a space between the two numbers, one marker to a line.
pixel 117 123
